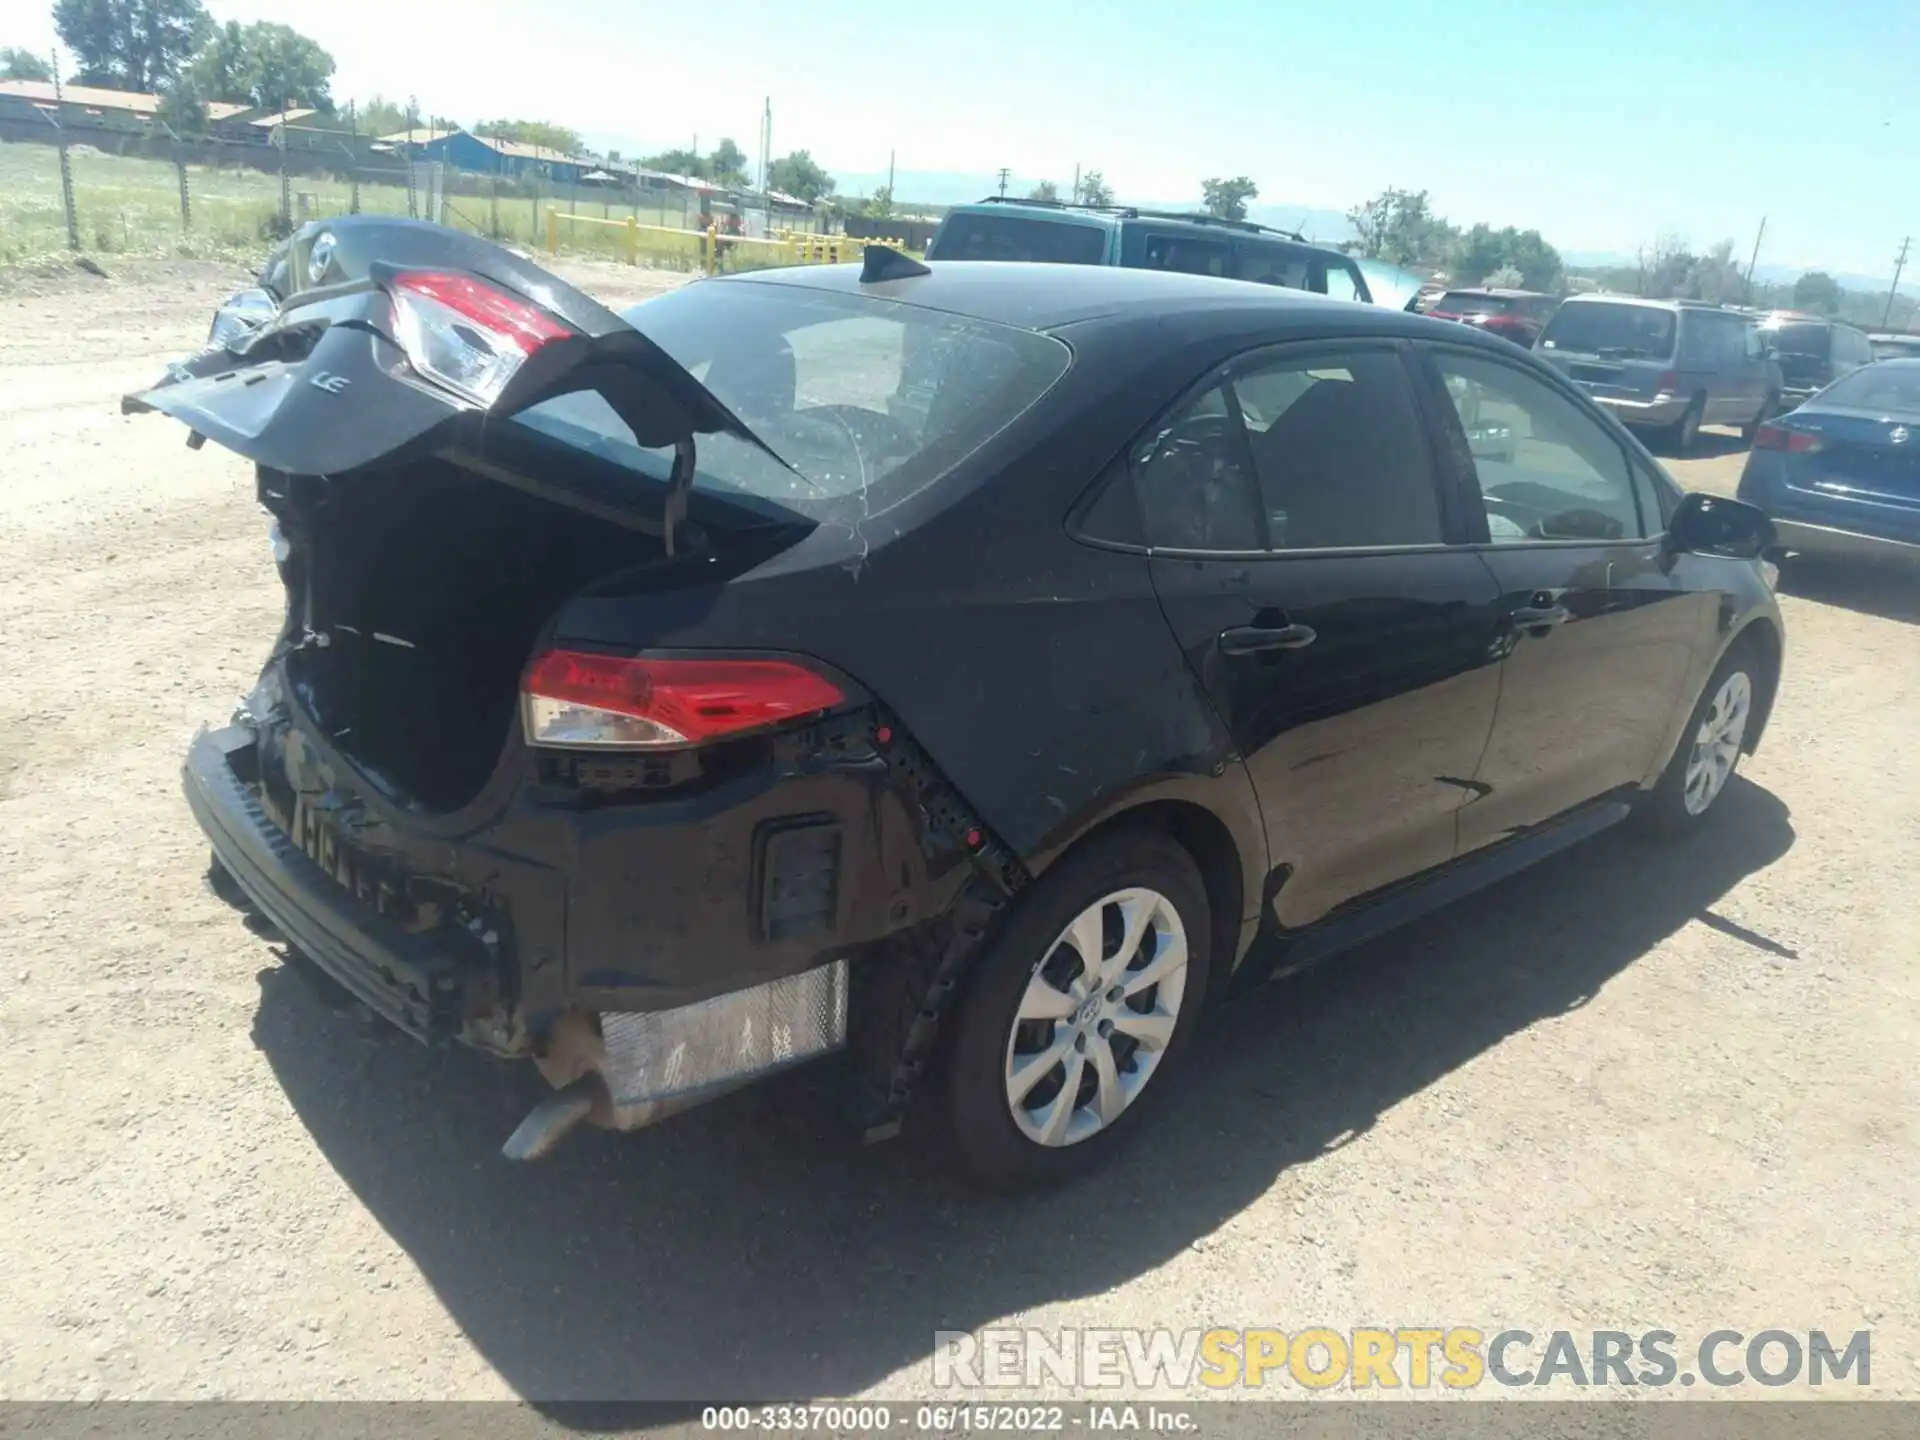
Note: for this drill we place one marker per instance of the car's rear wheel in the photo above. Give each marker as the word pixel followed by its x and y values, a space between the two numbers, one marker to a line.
pixel 1686 430
pixel 1077 1010
pixel 1709 750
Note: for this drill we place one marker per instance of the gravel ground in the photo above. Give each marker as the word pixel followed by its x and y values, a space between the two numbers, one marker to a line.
pixel 1635 1089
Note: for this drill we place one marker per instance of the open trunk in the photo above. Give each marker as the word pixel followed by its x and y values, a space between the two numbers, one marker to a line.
pixel 416 596
pixel 429 540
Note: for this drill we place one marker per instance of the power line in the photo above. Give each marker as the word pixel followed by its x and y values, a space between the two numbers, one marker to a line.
pixel 1899 264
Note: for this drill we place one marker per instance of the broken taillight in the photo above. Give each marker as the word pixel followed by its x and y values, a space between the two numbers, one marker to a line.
pixel 465 334
pixel 571 699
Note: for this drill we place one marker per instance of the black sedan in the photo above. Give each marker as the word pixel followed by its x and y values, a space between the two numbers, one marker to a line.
pixel 976 670
pixel 1840 476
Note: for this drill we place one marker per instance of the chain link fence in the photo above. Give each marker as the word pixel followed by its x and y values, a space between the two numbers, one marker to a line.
pixel 197 201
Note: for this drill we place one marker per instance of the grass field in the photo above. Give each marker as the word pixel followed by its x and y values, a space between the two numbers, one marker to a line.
pixel 131 206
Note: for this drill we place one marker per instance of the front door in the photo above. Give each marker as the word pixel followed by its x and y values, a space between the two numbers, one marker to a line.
pixel 1597 632
pixel 1300 553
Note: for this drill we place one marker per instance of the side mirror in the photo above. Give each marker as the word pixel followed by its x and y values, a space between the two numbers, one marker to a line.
pixel 1715 525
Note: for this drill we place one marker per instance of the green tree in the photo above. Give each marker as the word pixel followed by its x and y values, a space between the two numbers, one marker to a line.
pixel 1045 190
pixel 677 162
pixel 18 64
pixel 1507 277
pixel 219 68
pixel 381 116
pixel 137 45
pixel 1228 198
pixel 544 133
pixel 1481 251
pixel 1399 226
pixel 727 165
pixel 1818 292
pixel 183 109
pixel 1094 189
pixel 800 176
pixel 285 67
pixel 879 205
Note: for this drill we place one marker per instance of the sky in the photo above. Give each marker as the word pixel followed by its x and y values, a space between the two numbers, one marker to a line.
pixel 1602 124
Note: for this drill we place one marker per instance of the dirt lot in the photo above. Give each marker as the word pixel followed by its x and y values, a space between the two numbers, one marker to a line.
pixel 1635 1090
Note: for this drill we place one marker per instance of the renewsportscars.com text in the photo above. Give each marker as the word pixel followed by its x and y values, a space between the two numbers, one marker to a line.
pixel 1417 1358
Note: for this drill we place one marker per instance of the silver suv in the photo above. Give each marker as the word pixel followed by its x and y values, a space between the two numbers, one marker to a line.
pixel 1666 365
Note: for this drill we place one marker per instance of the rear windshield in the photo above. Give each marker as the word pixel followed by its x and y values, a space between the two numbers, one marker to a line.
pixel 1802 339
pixel 858 397
pixel 1462 302
pixel 1890 389
pixel 1625 332
pixel 971 236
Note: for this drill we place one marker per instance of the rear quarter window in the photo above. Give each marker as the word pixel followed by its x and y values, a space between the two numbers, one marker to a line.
pixel 1021 238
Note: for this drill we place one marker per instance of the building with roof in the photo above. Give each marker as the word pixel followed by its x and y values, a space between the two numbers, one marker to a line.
pixel 91 107
pixel 483 155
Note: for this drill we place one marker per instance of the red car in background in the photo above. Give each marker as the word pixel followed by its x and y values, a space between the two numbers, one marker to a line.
pixel 1516 315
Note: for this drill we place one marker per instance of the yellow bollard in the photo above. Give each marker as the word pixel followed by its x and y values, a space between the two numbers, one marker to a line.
pixel 633 241
pixel 553 232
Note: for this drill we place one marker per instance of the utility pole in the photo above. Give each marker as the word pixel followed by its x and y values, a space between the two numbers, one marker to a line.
pixel 1756 258
pixel 1899 264
pixel 1004 172
pixel 889 175
pixel 1076 182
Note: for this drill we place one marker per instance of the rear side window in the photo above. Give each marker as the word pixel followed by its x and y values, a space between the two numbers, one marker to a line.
pixel 1308 453
pixel 1467 302
pixel 860 398
pixel 1811 341
pixel 1546 470
pixel 1025 238
pixel 1894 389
pixel 1188 254
pixel 1624 332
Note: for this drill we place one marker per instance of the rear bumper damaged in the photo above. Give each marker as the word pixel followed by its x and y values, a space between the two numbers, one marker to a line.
pixel 649 954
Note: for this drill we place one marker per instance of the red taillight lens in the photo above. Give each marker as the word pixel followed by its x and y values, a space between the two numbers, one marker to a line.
pixel 1779 437
pixel 466 334
pixel 573 699
pixel 1670 380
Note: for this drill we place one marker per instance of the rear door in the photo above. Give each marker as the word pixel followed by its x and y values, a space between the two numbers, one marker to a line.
pixel 1615 349
pixel 1595 630
pixel 1300 551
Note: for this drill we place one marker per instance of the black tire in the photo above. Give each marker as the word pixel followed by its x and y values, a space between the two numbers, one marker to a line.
pixel 1686 430
pixel 990 1144
pixel 1769 407
pixel 1664 811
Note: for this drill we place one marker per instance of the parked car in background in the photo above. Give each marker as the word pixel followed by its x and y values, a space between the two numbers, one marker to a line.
pixel 1840 476
pixel 1516 315
pixel 955 665
pixel 1057 233
pixel 1666 366
pixel 1894 345
pixel 1813 352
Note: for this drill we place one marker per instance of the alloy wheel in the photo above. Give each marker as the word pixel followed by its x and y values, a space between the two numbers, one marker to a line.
pixel 1096 1017
pixel 1716 744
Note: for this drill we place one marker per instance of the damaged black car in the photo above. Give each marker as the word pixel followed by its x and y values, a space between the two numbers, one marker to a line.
pixel 957 669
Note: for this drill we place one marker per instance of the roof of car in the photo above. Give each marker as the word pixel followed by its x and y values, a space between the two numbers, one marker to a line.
pixel 1500 292
pixel 1044 297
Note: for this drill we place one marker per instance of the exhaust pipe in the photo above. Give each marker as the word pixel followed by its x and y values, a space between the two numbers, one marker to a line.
pixel 549 1122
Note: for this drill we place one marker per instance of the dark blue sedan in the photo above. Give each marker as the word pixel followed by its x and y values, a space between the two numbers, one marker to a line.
pixel 1841 475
